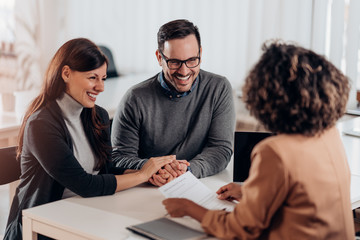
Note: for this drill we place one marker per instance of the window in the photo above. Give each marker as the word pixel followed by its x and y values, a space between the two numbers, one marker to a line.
pixel 7 41
pixel 343 41
pixel 7 26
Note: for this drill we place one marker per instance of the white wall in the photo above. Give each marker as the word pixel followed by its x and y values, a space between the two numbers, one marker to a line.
pixel 232 31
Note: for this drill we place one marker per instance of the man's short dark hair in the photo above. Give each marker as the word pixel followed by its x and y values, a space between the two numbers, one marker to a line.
pixel 180 28
pixel 294 90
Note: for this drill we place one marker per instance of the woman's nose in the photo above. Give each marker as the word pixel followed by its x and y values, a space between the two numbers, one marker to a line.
pixel 99 85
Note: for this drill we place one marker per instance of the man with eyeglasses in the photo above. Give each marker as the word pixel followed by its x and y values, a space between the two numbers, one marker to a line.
pixel 182 113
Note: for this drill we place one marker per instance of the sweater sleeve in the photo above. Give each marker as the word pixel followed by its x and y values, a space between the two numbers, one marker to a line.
pixel 48 145
pixel 263 194
pixel 125 134
pixel 217 151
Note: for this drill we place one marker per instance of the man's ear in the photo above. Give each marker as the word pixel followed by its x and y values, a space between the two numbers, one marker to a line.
pixel 65 73
pixel 158 56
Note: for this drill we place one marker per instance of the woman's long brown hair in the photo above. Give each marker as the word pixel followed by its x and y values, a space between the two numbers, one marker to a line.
pixel 81 55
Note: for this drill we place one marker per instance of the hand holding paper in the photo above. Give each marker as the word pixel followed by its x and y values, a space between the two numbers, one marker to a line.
pixel 189 187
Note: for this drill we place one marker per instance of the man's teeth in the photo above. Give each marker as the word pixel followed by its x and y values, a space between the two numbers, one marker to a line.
pixel 92 95
pixel 183 78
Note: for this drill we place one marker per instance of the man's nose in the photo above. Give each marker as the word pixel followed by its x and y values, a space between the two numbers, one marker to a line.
pixel 183 70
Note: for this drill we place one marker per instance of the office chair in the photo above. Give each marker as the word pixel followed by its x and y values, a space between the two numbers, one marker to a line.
pixel 111 70
pixel 9 167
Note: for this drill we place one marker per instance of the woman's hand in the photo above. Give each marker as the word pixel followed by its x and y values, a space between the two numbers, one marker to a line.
pixel 154 164
pixel 180 207
pixel 134 177
pixel 231 191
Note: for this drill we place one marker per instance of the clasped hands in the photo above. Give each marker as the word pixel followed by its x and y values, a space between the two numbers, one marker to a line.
pixel 169 171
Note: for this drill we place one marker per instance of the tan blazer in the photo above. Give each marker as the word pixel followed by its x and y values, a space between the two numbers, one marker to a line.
pixel 298 188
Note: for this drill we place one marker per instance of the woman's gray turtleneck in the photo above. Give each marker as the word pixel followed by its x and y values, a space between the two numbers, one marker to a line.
pixel 71 110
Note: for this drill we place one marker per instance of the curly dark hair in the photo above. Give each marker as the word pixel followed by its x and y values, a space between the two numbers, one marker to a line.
pixel 294 90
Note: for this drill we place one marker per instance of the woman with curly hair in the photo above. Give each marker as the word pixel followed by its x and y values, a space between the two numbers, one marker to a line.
pixel 299 181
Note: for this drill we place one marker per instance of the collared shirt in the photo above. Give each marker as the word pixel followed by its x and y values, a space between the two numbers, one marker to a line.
pixel 173 93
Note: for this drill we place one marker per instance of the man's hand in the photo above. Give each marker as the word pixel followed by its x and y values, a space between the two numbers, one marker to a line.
pixel 169 172
pixel 154 164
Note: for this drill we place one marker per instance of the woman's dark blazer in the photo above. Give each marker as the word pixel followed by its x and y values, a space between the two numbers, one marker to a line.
pixel 48 165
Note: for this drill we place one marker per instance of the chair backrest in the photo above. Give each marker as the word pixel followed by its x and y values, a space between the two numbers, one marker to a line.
pixel 9 167
pixel 111 70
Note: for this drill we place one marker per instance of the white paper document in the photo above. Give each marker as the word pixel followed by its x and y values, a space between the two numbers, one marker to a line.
pixel 188 186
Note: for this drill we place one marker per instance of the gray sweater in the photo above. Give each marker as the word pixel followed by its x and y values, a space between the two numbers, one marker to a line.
pixel 198 127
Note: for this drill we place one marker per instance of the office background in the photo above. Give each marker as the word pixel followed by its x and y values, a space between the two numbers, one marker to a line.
pixel 232 32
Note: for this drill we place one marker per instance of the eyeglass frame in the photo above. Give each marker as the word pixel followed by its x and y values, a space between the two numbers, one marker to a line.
pixel 181 61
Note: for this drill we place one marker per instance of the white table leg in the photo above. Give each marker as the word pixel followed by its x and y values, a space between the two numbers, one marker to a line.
pixel 28 233
pixel 12 190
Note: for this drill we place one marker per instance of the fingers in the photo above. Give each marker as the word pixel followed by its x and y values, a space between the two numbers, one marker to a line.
pixel 165 175
pixel 223 189
pixel 151 180
pixel 175 168
pixel 159 181
pixel 174 207
pixel 164 160
pixel 230 191
pixel 184 162
pixel 171 168
pixel 179 167
pixel 182 167
pixel 155 163
pixel 225 195
pixel 166 168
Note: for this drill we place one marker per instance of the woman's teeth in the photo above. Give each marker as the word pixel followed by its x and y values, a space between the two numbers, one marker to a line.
pixel 92 95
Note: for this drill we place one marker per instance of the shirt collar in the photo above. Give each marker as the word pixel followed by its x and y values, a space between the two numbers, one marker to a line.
pixel 173 93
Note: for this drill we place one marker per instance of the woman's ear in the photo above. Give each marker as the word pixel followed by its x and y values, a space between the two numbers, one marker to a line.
pixel 65 73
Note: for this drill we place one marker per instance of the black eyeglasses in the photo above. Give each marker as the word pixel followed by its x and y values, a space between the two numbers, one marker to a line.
pixel 175 64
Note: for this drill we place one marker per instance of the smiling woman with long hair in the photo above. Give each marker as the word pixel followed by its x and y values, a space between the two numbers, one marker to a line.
pixel 64 142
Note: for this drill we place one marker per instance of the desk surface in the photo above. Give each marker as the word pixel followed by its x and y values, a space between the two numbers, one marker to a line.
pixel 79 218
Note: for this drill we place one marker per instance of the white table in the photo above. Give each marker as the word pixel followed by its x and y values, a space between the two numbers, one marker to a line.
pixel 103 217
pixel 107 217
pixel 80 218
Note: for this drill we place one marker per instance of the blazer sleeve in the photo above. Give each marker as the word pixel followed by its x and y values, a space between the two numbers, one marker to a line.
pixel 263 194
